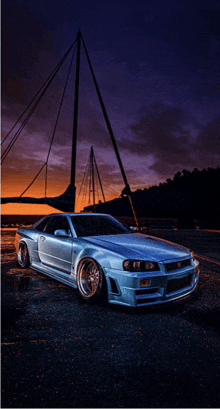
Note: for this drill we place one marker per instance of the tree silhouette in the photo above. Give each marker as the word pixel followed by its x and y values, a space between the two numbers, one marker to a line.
pixel 189 195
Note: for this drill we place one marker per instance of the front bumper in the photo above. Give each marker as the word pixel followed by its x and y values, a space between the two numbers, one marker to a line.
pixel 125 288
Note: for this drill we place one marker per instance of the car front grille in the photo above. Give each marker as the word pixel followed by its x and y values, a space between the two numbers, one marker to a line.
pixel 176 265
pixel 178 283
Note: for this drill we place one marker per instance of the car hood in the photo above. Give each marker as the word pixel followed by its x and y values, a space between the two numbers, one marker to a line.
pixel 140 246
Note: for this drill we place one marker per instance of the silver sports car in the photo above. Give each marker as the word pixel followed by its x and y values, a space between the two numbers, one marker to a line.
pixel 102 258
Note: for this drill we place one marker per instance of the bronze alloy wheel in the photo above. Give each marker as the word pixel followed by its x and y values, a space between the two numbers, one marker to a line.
pixel 90 279
pixel 23 255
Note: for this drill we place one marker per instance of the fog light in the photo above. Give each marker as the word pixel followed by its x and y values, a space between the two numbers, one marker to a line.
pixel 144 282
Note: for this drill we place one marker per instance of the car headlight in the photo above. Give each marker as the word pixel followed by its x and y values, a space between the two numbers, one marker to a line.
pixel 136 265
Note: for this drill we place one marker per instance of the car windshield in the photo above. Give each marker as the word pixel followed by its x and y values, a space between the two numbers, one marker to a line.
pixel 97 226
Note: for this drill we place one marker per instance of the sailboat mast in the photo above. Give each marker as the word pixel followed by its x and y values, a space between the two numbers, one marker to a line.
pixel 99 179
pixel 93 175
pixel 76 99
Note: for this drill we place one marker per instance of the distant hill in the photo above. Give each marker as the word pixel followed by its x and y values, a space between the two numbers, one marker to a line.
pixel 189 195
pixel 190 199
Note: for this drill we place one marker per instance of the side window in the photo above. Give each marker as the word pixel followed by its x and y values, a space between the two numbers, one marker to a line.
pixel 58 222
pixel 41 225
pixel 64 225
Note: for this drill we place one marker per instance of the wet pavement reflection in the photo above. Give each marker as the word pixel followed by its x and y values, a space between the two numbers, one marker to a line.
pixel 58 351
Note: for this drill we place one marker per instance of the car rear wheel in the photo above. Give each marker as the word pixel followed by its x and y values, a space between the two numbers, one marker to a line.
pixel 90 280
pixel 23 255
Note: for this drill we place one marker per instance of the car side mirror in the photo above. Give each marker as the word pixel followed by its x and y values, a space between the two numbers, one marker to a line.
pixel 61 233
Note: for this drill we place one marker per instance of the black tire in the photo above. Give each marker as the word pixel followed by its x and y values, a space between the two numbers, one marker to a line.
pixel 23 255
pixel 91 280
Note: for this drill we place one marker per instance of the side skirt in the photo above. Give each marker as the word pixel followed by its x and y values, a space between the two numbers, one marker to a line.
pixel 54 274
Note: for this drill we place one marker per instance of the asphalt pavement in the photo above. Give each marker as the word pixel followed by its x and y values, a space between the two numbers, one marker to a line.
pixel 60 352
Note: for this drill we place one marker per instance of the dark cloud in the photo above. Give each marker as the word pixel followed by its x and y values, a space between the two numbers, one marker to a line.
pixel 141 52
pixel 208 140
pixel 196 29
pixel 163 132
pixel 24 37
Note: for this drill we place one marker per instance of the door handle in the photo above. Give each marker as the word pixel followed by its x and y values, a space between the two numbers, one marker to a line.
pixel 42 238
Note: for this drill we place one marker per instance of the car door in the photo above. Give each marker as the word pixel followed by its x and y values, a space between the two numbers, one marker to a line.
pixel 56 251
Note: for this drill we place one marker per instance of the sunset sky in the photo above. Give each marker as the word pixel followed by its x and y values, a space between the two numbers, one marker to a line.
pixel 157 65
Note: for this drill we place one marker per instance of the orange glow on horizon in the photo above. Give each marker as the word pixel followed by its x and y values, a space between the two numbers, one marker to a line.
pixel 12 187
pixel 22 209
pixel 35 209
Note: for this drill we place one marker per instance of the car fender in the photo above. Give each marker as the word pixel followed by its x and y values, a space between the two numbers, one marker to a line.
pixel 106 259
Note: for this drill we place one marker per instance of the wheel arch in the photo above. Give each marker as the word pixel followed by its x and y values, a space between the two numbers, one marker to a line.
pixel 23 254
pixel 29 239
pixel 94 254
pixel 106 258
pixel 102 287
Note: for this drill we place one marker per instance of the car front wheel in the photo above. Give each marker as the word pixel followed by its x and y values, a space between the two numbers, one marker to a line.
pixel 90 280
pixel 23 255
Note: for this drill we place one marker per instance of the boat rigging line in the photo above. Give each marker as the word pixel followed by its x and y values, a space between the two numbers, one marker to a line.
pixel 91 175
pixel 43 88
pixel 52 139
pixel 66 201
